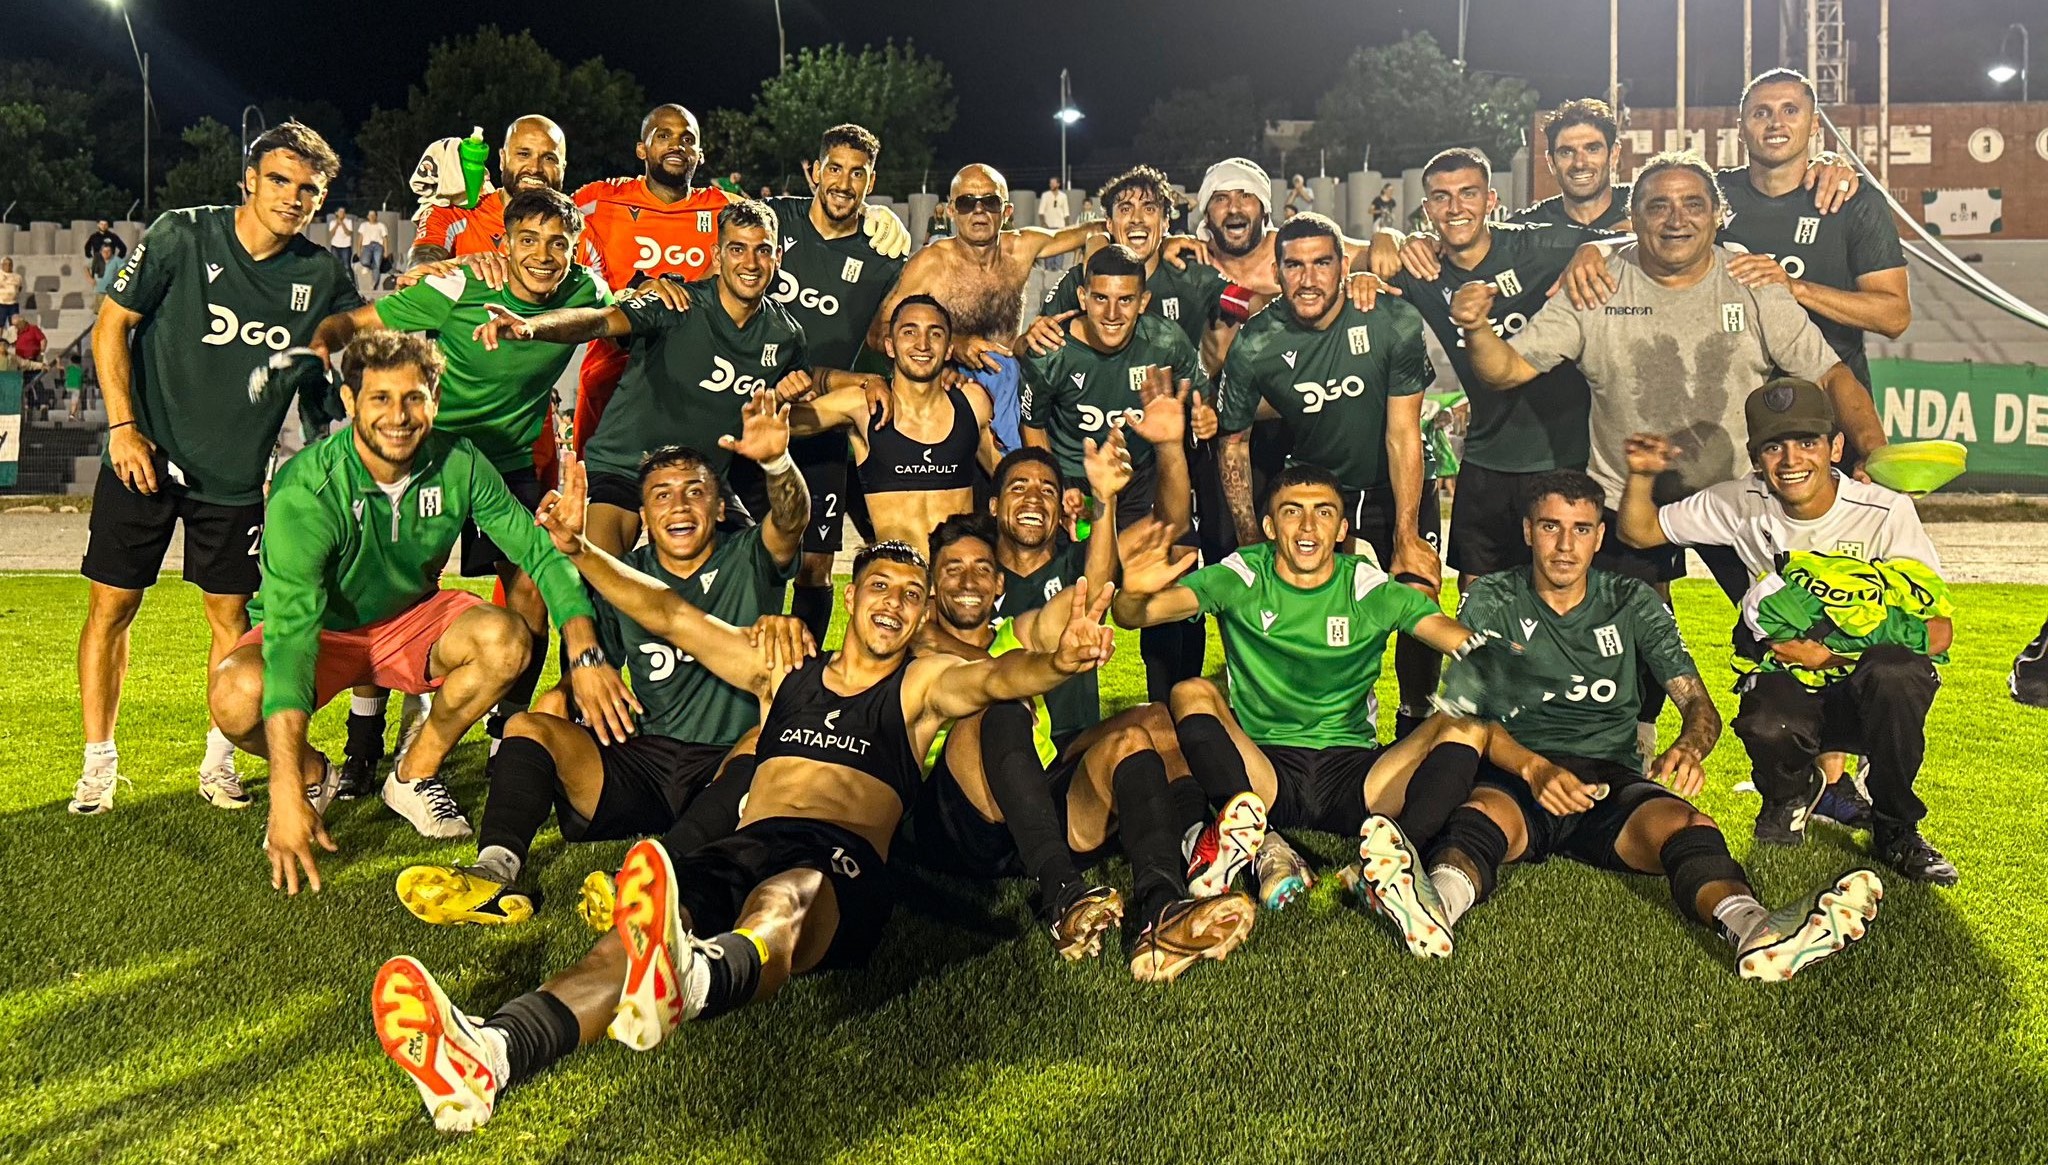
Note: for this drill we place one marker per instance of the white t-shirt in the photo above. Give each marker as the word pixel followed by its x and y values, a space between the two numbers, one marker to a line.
pixel 10 286
pixel 371 232
pixel 1867 521
pixel 1052 209
pixel 342 233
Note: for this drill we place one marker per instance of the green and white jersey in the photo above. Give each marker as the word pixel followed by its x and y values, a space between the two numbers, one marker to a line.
pixel 1542 424
pixel 1186 297
pixel 499 399
pixel 212 318
pixel 1591 659
pixel 1303 663
pixel 832 287
pixel 688 375
pixel 1077 704
pixel 1330 386
pixel 1076 393
pixel 680 698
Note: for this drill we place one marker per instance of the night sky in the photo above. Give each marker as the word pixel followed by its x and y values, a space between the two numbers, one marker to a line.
pixel 209 56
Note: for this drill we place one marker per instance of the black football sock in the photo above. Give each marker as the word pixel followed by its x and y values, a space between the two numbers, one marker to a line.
pixel 1212 757
pixel 1188 805
pixel 814 606
pixel 735 974
pixel 713 813
pixel 1009 763
pixel 366 728
pixel 523 791
pixel 1166 652
pixel 1442 782
pixel 539 1029
pixel 1151 836
pixel 1416 667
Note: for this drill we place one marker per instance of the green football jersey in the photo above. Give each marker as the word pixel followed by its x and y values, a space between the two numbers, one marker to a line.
pixel 688 375
pixel 1551 211
pixel 1590 659
pixel 1185 297
pixel 1303 663
pixel 1077 704
pixel 1330 386
pixel 832 287
pixel 1076 393
pixel 499 400
pixel 212 318
pixel 1543 424
pixel 680 698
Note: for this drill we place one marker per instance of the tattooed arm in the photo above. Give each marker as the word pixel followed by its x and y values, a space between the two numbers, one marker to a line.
pixel 1236 471
pixel 1699 728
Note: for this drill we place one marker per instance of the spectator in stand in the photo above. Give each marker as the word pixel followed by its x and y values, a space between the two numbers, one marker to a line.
pixel 1384 205
pixel 731 185
pixel 103 235
pixel 938 225
pixel 1054 214
pixel 10 290
pixel 1089 211
pixel 11 359
pixel 341 237
pixel 1299 197
pixel 370 240
pixel 106 269
pixel 29 340
pixel 74 385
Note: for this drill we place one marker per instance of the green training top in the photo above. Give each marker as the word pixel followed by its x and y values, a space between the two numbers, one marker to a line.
pixel 1303 663
pixel 499 400
pixel 1330 386
pixel 1186 297
pixel 1076 705
pixel 832 287
pixel 212 319
pixel 339 554
pixel 679 697
pixel 1076 393
pixel 688 375
pixel 1591 659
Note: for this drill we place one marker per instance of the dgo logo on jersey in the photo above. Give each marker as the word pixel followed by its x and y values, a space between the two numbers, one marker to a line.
pixel 226 327
pixel 789 292
pixel 1314 396
pixel 725 378
pixel 653 254
pixel 1094 420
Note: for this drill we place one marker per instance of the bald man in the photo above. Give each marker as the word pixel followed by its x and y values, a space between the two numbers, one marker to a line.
pixel 535 154
pixel 979 275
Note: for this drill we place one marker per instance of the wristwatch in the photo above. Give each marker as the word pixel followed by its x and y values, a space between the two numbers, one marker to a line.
pixel 592 656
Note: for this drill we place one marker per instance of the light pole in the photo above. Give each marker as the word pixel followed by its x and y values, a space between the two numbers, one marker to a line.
pixel 781 42
pixel 1464 11
pixel 2003 72
pixel 261 125
pixel 1066 116
pixel 141 63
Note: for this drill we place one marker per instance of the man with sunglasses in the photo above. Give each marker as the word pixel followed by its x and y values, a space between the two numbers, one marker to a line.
pixel 979 276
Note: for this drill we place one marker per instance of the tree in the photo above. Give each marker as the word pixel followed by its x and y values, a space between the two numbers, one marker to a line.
pixel 47 141
pixel 1407 100
pixel 906 98
pixel 487 79
pixel 1191 128
pixel 209 170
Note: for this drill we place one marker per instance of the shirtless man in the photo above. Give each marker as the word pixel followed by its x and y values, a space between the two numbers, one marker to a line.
pixel 979 275
pixel 1236 204
pixel 799 887
pixel 917 469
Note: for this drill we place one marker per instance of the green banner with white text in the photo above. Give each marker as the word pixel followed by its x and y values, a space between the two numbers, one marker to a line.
pixel 10 428
pixel 1997 411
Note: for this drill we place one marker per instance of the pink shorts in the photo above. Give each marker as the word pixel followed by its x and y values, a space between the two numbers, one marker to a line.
pixel 394 653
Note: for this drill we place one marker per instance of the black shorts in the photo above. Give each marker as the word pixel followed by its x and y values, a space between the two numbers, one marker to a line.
pixel 822 461
pixel 1486 521
pixel 481 557
pixel 713 883
pixel 648 781
pixel 130 533
pixel 1371 514
pixel 945 832
pixel 1587 837
pixel 1319 788
pixel 1659 564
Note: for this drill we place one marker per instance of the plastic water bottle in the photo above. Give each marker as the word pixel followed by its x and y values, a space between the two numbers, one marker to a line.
pixel 476 159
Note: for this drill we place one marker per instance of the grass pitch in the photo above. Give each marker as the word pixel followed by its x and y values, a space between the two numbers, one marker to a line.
pixel 159 1003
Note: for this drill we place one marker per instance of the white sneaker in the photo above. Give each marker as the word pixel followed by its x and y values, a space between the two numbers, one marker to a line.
pixel 428 805
pixel 320 793
pixel 95 791
pixel 221 786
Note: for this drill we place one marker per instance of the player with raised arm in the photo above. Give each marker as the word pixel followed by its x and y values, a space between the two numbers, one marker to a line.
pixel 1561 776
pixel 801 886
pixel 193 349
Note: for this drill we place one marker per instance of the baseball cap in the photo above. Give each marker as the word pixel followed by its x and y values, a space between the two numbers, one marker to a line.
pixel 1787 407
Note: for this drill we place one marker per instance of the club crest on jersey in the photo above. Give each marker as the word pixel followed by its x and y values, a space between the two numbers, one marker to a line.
pixel 1337 631
pixel 1508 282
pixel 212 272
pixel 1528 630
pixel 1608 640
pixel 706 579
pixel 1266 620
pixel 1852 549
pixel 849 272
pixel 1807 230
pixel 1138 378
pixel 1359 341
pixel 1053 586
pixel 1288 357
pixel 1170 307
pixel 1731 317
pixel 430 501
pixel 705 220
pixel 768 355
pixel 302 296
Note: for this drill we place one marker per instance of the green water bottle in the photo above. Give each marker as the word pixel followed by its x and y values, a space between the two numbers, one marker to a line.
pixel 476 160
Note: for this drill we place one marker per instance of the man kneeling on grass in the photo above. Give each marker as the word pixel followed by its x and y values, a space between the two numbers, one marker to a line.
pixel 361 526
pixel 1585 797
pixel 800 886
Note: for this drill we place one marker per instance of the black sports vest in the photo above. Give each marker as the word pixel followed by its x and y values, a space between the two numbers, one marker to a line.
pixel 897 463
pixel 864 731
